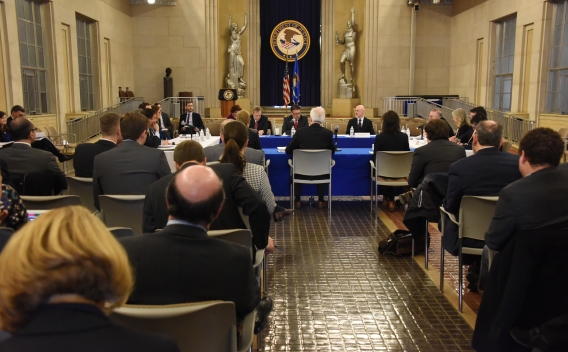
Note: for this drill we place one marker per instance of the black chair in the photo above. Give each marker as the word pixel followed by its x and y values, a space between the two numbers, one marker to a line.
pixel 5 235
pixel 37 184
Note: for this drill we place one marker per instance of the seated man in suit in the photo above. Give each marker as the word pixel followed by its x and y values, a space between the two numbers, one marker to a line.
pixel 359 122
pixel 254 139
pixel 295 120
pixel 214 152
pixel 189 119
pixel 130 167
pixel 258 121
pixel 166 127
pixel 182 263
pixel 21 159
pixel 313 137
pixel 153 139
pixel 238 194
pixel 85 153
pixel 436 114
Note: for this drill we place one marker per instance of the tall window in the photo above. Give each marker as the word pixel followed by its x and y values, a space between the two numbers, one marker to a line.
pixel 504 56
pixel 85 49
pixel 32 56
pixel 557 87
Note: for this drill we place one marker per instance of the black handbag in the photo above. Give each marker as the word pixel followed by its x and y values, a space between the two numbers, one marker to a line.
pixel 399 243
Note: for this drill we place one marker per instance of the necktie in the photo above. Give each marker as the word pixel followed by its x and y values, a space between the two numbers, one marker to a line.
pixel 360 125
pixel 256 125
pixel 295 124
pixel 189 118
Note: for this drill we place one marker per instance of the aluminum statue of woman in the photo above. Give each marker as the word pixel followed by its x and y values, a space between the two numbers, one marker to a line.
pixel 236 62
pixel 349 52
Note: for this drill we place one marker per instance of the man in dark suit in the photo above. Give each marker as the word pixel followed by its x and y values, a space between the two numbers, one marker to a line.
pixel 214 152
pixel 181 263
pixel 164 121
pixel 188 119
pixel 258 121
pixel 295 120
pixel 313 137
pixel 238 193
pixel 437 155
pixel 436 114
pixel 153 139
pixel 21 159
pixel 130 167
pixel 483 174
pixel 359 122
pixel 85 153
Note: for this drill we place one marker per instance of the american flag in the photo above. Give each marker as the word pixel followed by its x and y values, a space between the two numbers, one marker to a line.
pixel 286 85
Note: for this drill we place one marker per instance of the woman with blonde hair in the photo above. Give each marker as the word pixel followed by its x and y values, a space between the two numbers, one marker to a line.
pixel 59 275
pixel 254 139
pixel 464 132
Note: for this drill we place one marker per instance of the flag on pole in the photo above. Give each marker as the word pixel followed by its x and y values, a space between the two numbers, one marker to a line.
pixel 286 85
pixel 296 82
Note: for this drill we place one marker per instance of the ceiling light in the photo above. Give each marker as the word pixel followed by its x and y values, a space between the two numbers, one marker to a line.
pixel 151 2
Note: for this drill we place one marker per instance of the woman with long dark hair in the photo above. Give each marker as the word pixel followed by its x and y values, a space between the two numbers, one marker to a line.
pixel 4 135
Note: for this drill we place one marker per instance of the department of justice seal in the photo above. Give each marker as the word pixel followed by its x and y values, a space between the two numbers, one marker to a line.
pixel 289 38
pixel 228 94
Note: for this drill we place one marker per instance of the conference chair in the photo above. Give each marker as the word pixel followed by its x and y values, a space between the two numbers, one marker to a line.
pixel 506 146
pixel 389 169
pixel 214 128
pixel 306 162
pixel 36 184
pixel 475 216
pixel 122 211
pixel 330 125
pixel 5 235
pixel 49 202
pixel 196 327
pixel 82 187
pixel 120 232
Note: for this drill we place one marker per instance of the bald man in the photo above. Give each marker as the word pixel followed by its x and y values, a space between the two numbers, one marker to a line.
pixel 182 263
pixel 436 114
pixel 359 123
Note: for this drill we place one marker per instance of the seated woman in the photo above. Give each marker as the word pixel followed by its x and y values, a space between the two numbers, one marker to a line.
pixel 4 135
pixel 59 275
pixel 464 132
pixel 13 213
pixel 390 140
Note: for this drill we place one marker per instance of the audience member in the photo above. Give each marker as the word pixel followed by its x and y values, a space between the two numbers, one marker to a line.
pixel 190 122
pixel 478 111
pixel 258 121
pixel 13 214
pixel 314 137
pixel 465 131
pixel 359 122
pixel 85 153
pixel 22 159
pixel 130 167
pixel 144 105
pixel 182 263
pixel 238 194
pixel 437 155
pixel 296 120
pixel 234 111
pixel 4 135
pixel 436 114
pixel 390 140
pixel 164 122
pixel 254 139
pixel 474 121
pixel 235 137
pixel 153 139
pixel 58 276
pixel 214 152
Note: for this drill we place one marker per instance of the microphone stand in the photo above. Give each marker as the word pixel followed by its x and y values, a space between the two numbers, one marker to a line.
pixel 335 133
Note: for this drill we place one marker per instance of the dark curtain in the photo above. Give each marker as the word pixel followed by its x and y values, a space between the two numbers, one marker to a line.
pixel 308 13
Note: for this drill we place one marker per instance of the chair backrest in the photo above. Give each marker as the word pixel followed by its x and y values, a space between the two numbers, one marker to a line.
pixel 214 128
pixel 563 132
pixel 414 130
pixel 82 187
pixel 330 125
pixel 51 131
pixel 120 232
pixel 475 216
pixel 506 146
pixel 312 162
pixel 238 236
pixel 35 184
pixel 50 202
pixel 123 211
pixel 393 164
pixel 201 326
pixel 5 235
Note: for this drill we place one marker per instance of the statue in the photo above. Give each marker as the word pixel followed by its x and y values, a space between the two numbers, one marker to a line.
pixel 236 62
pixel 168 84
pixel 346 89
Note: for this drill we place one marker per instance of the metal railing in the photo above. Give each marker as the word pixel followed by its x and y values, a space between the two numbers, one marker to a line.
pixel 88 126
pixel 175 106
pixel 514 127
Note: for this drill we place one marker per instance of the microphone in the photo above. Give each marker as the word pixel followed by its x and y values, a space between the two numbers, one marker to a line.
pixel 421 131
pixel 335 134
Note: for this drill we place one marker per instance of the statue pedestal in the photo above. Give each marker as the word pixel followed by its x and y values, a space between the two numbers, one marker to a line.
pixel 341 107
pixel 344 89
pixel 244 103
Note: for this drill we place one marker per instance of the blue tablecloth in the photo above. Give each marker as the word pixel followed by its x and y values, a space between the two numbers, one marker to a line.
pixel 342 142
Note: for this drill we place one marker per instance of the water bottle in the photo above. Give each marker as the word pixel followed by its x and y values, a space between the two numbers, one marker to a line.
pixel 408 133
pixel 276 130
pixel 202 135
pixel 352 132
pixel 293 131
pixel 208 133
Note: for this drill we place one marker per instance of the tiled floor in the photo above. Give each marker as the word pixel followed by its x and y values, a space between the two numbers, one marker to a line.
pixel 334 292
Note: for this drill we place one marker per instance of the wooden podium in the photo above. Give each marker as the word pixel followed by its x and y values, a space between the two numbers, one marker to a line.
pixel 227 98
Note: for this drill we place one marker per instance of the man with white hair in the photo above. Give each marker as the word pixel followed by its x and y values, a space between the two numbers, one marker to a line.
pixel 313 137
pixel 437 114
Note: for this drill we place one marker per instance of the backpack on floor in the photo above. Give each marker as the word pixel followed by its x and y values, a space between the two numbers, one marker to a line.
pixel 398 243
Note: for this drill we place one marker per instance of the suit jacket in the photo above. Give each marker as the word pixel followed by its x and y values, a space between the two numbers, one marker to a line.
pixel 464 134
pixel 22 159
pixel 85 153
pixel 313 137
pixel 254 140
pixel 537 200
pixel 385 142
pixel 152 141
pixel 128 169
pixel 451 130
pixel 182 264
pixel 289 122
pixel 196 121
pixel 238 193
pixel 70 327
pixel 262 123
pixel 367 126
pixel 214 152
pixel 167 124
pixel 436 156
pixel 482 174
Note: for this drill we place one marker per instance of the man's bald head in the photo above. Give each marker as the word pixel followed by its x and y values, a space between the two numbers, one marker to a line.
pixel 359 111
pixel 195 195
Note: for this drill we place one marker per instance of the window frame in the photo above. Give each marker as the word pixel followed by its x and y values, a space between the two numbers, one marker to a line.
pixel 557 75
pixel 504 57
